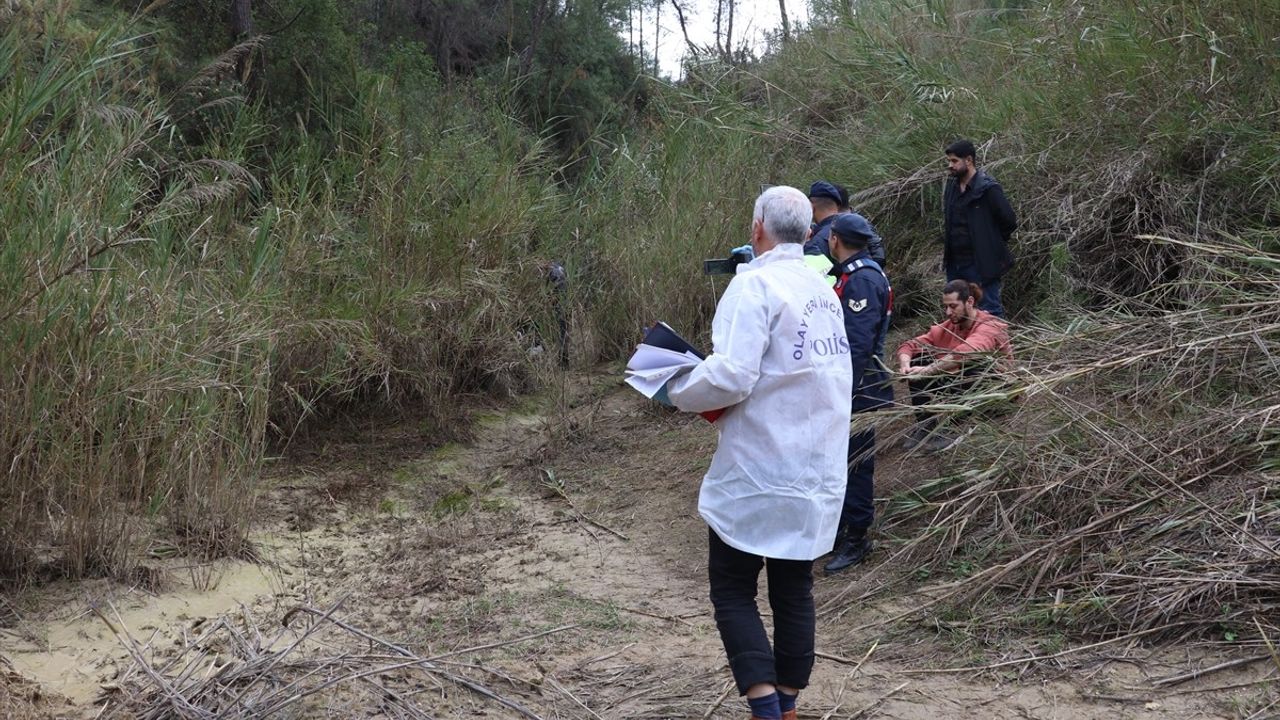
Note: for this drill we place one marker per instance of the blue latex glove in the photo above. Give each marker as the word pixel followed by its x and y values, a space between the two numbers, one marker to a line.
pixel 751 254
pixel 662 397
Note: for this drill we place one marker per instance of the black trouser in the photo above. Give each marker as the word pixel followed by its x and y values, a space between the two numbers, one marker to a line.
pixel 924 389
pixel 859 508
pixel 734 577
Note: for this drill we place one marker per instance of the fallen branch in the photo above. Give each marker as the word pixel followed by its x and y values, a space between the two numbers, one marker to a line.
pixel 844 683
pixel 668 618
pixel 228 675
pixel 558 488
pixel 504 643
pixel 573 697
pixel 871 706
pixel 1175 679
pixel 422 662
pixel 1039 658
pixel 728 687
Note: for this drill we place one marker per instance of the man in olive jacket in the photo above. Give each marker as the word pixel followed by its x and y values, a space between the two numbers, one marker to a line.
pixel 977 224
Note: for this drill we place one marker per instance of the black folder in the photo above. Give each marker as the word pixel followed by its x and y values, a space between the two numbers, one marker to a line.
pixel 661 335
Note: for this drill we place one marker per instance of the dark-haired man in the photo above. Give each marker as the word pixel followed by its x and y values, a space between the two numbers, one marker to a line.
pixel 828 200
pixel 865 299
pixel 950 356
pixel 977 224
pixel 824 198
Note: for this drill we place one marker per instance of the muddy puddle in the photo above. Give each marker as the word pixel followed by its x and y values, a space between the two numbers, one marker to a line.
pixel 71 650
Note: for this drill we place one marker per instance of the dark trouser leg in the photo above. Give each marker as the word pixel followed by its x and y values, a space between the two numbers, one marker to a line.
pixel 734 575
pixel 991 297
pixel 791 598
pixel 859 494
pixel 924 390
pixel 921 394
pixel 990 288
pixel 921 389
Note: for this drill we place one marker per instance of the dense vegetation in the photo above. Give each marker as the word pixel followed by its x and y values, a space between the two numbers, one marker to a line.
pixel 210 246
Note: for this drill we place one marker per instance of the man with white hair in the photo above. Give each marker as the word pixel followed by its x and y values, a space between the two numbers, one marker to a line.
pixel 772 496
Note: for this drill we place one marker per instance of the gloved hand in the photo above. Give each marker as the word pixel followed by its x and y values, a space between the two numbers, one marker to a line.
pixel 662 397
pixel 751 254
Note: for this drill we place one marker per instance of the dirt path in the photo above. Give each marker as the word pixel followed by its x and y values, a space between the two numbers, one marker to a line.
pixel 565 536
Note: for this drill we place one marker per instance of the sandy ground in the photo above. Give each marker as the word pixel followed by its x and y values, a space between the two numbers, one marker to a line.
pixel 555 562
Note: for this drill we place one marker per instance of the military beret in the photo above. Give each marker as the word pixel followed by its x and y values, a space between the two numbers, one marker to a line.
pixel 824 189
pixel 852 225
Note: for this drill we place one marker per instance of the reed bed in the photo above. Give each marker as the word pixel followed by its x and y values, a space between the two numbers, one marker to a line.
pixel 186 284
pixel 1120 483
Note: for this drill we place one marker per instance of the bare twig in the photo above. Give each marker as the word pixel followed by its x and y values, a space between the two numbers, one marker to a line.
pixel 872 705
pixel 659 616
pixel 558 488
pixel 504 643
pixel 1175 679
pixel 724 694
pixel 573 697
pixel 1039 658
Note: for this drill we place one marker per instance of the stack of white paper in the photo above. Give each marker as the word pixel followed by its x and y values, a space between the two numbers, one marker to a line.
pixel 651 367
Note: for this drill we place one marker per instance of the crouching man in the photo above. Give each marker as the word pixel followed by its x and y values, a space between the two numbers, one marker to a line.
pixel 950 357
pixel 772 496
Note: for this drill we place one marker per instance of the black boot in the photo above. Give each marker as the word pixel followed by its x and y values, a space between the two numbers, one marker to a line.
pixel 850 552
pixel 841 534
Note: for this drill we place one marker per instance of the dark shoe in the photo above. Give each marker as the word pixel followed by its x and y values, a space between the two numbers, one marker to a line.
pixel 940 440
pixel 841 534
pixel 914 437
pixel 918 433
pixel 851 552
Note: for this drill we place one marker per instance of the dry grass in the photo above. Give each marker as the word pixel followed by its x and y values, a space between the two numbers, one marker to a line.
pixel 237 668
pixel 1128 487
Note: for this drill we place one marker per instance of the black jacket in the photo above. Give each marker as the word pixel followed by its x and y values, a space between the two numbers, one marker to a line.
pixel 819 238
pixel 819 242
pixel 866 298
pixel 991 224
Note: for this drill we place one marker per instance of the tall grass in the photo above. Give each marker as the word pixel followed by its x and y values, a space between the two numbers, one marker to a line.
pixel 187 278
pixel 185 283
pixel 650 212
pixel 131 379
pixel 1104 122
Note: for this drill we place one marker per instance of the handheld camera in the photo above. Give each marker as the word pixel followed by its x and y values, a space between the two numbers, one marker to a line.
pixel 725 266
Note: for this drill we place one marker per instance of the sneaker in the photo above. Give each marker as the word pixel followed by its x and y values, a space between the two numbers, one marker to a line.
pixel 851 552
pixel 939 441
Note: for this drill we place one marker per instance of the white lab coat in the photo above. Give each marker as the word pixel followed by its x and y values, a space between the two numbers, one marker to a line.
pixel 780 363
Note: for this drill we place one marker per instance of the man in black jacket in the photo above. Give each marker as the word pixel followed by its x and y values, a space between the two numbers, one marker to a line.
pixel 977 225
pixel 829 199
pixel 825 199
